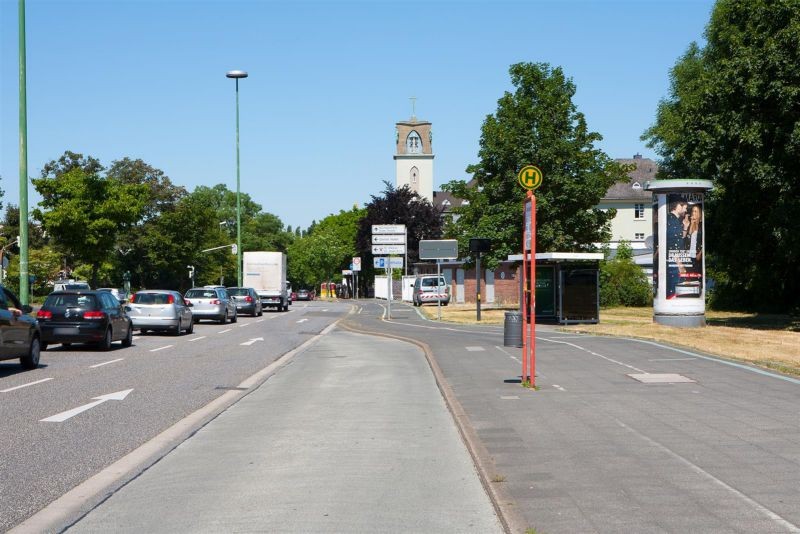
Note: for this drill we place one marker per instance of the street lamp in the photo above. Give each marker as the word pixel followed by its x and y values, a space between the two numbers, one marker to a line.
pixel 236 74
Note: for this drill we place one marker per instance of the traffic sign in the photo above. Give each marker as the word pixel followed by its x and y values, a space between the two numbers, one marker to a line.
pixel 438 249
pixel 388 229
pixel 388 249
pixel 530 177
pixel 356 265
pixel 388 239
pixel 382 263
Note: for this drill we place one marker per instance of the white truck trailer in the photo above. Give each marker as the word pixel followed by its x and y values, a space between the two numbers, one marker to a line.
pixel 266 273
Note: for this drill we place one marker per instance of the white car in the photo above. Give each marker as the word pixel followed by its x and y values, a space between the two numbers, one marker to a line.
pixel 162 310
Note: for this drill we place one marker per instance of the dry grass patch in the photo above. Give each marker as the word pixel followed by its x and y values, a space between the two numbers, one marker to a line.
pixel 466 314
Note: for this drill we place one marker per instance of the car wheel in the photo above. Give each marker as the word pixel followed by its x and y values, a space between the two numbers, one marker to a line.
pixel 31 360
pixel 106 343
pixel 195 320
pixel 42 347
pixel 224 318
pixel 178 329
pixel 66 345
pixel 127 341
pixel 142 330
pixel 190 329
pixel 261 311
pixel 235 317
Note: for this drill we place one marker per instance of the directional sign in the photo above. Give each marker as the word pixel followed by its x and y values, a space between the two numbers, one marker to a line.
pixel 388 249
pixel 388 229
pixel 438 249
pixel 530 177
pixel 383 263
pixel 387 239
pixel 63 416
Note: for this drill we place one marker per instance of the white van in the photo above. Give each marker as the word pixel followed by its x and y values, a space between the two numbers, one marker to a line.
pixel 426 290
pixel 70 285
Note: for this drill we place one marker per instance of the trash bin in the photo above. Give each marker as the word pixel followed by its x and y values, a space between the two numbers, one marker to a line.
pixel 512 331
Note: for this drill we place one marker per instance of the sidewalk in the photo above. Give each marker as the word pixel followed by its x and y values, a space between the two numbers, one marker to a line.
pixel 351 436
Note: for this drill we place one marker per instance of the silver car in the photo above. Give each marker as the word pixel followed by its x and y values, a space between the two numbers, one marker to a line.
pixel 212 303
pixel 247 300
pixel 162 310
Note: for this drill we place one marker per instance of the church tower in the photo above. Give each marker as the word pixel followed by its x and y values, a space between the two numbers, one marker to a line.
pixel 414 157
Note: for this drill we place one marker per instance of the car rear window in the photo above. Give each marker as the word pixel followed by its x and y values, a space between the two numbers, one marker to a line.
pixel 431 282
pixel 84 302
pixel 238 291
pixel 151 298
pixel 76 286
pixel 201 294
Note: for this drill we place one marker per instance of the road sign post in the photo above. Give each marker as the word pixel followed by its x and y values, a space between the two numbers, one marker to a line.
pixel 388 239
pixel 529 177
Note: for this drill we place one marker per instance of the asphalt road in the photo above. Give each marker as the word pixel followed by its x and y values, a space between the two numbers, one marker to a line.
pixel 608 443
pixel 168 377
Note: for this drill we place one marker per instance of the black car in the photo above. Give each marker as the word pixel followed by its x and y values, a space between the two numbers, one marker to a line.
pixel 247 301
pixel 19 332
pixel 84 317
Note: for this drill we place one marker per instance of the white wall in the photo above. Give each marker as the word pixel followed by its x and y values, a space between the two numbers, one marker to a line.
pixel 424 163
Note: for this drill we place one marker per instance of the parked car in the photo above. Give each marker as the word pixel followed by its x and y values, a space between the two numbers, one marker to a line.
pixel 19 332
pixel 161 309
pixel 247 300
pixel 211 303
pixel 303 294
pixel 68 317
pixel 426 289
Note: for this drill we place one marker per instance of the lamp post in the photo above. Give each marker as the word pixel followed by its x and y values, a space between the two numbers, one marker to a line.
pixel 236 74
pixel 23 162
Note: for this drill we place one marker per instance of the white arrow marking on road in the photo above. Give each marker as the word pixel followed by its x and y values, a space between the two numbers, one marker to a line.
pixel 304 320
pixel 63 416
pixel 25 385
pixel 248 343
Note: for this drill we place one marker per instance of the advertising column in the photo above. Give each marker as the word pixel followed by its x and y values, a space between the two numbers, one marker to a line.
pixel 679 296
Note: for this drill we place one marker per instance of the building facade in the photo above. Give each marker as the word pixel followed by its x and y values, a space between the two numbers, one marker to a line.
pixel 414 157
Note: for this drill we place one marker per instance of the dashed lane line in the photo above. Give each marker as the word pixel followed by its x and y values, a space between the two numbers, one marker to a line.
pixel 106 363
pixel 161 348
pixel 25 385
pixel 197 338
pixel 226 330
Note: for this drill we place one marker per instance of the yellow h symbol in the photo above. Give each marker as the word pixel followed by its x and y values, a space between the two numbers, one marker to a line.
pixel 530 177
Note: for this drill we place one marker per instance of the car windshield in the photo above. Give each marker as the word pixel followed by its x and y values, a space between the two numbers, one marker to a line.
pixel 153 298
pixel 86 302
pixel 201 294
pixel 238 291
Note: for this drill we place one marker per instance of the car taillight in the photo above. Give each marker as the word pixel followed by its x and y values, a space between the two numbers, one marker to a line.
pixel 133 298
pixel 94 315
pixel 248 298
pixel 44 314
pixel 170 299
pixel 215 301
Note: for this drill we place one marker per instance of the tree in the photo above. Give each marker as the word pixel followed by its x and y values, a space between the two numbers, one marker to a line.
pixel 733 116
pixel 84 212
pixel 537 124
pixel 622 282
pixel 397 206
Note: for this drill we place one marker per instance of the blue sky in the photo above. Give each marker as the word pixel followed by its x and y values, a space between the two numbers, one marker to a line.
pixel 328 81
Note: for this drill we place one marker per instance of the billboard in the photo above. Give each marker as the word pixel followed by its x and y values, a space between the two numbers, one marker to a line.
pixel 684 245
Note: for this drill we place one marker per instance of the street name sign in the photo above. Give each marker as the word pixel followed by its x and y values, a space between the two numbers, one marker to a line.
pixel 438 249
pixel 388 239
pixel 388 249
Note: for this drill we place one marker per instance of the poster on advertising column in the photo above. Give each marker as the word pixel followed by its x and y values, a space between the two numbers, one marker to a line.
pixel 684 245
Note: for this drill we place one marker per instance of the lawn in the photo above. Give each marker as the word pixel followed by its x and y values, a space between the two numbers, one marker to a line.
pixel 770 341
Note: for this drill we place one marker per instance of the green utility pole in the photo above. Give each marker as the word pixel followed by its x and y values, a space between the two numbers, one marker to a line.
pixel 23 163
pixel 236 74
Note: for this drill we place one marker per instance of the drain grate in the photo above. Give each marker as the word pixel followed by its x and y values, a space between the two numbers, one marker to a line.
pixel 661 378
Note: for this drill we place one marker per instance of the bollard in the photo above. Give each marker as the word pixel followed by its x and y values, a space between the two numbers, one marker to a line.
pixel 512 331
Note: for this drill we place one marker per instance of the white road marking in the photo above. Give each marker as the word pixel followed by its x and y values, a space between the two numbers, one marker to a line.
pixel 593 353
pixel 248 343
pixel 501 349
pixel 161 348
pixel 559 388
pixel 670 359
pixel 226 330
pixel 63 416
pixel 510 397
pixel 475 349
pixel 243 325
pixel 304 320
pixel 261 320
pixel 25 385
pixel 197 338
pixel 106 363
pixel 326 309
pixel 698 470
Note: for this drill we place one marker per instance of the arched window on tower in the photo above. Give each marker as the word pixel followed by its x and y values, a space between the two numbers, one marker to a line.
pixel 414 176
pixel 413 143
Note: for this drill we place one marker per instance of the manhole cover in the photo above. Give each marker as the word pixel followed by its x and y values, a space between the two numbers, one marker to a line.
pixel 661 378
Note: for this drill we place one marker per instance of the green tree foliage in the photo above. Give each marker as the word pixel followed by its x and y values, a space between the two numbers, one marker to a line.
pixel 43 264
pixel 536 124
pixel 84 211
pixel 320 256
pixel 397 206
pixel 733 116
pixel 10 229
pixel 622 282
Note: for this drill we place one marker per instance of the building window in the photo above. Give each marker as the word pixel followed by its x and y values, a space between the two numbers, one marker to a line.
pixel 637 236
pixel 414 176
pixel 638 211
pixel 413 143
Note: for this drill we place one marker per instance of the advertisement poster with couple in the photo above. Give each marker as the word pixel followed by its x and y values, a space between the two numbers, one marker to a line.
pixel 684 245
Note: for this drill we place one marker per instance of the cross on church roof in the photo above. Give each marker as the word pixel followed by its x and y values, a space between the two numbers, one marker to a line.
pixel 413 108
